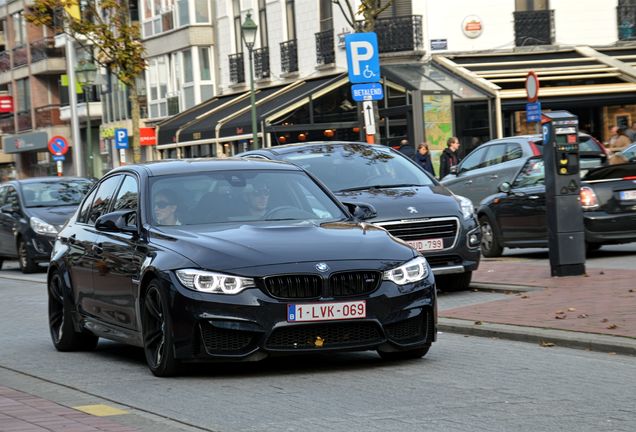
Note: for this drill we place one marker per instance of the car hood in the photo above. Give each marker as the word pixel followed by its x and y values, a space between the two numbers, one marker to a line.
pixel 54 215
pixel 406 202
pixel 225 247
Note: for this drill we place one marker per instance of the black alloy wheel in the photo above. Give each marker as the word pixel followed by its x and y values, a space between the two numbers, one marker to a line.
pixel 63 333
pixel 490 247
pixel 27 265
pixel 157 333
pixel 404 355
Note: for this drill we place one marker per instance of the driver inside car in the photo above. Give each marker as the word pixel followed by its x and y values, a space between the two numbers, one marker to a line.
pixel 257 198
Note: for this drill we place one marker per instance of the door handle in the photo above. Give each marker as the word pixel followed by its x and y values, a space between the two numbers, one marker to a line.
pixel 97 249
pixel 468 182
pixel 494 176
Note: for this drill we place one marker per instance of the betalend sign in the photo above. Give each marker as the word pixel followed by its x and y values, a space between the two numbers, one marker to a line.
pixel 147 136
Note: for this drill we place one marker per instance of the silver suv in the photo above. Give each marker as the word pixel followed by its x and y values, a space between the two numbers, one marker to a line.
pixel 489 165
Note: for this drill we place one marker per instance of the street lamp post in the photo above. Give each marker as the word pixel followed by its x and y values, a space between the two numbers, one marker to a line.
pixel 85 73
pixel 248 34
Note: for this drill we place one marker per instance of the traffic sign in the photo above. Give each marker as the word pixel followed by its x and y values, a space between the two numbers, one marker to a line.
pixel 363 58
pixel 60 158
pixel 58 145
pixel 121 138
pixel 532 87
pixel 533 112
pixel 369 118
pixel 368 91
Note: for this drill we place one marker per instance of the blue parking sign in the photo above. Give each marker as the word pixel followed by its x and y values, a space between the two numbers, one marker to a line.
pixel 121 138
pixel 363 59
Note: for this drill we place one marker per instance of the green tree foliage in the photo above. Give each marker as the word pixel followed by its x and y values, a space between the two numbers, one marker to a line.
pixel 104 28
pixel 362 19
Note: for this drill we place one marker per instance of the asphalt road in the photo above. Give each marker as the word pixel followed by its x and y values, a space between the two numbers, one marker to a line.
pixel 463 384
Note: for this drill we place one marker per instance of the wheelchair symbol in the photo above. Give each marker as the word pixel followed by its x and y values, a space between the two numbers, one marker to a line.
pixel 367 73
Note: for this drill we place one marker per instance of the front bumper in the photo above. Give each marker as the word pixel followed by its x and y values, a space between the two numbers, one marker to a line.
pixel 253 325
pixel 606 228
pixel 40 247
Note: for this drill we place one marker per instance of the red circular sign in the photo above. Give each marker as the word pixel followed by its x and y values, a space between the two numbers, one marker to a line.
pixel 532 87
pixel 58 145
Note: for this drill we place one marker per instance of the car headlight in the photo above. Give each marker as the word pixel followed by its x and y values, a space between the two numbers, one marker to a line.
pixel 413 271
pixel 466 206
pixel 210 282
pixel 41 227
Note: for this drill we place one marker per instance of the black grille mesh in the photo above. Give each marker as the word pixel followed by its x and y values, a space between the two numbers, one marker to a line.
pixel 294 286
pixel 412 329
pixel 332 335
pixel 422 230
pixel 354 283
pixel 217 340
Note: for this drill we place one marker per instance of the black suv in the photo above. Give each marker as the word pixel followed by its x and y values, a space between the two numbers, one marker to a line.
pixel 410 203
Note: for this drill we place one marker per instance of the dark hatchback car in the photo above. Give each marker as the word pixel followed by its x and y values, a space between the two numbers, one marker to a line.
pixel 32 211
pixel 410 203
pixel 516 216
pixel 233 260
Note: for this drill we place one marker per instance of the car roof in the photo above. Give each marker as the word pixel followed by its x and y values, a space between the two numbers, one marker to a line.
pixel 290 148
pixel 179 166
pixel 45 179
pixel 528 137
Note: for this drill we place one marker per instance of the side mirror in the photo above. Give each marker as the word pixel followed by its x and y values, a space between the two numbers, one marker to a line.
pixel 361 211
pixel 454 170
pixel 10 208
pixel 505 187
pixel 117 221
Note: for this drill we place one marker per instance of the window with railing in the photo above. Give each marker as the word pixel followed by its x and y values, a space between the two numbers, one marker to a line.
pixel 325 51
pixel 626 17
pixel 237 68
pixel 20 56
pixel 5 61
pixel 261 63
pixel 400 33
pixel 45 48
pixel 24 121
pixel 48 115
pixel 289 56
pixel 7 124
pixel 534 27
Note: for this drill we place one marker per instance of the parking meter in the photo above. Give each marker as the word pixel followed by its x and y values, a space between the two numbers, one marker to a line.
pixel 566 234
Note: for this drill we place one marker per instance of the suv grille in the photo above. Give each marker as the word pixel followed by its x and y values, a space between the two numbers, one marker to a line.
pixel 294 286
pixel 354 283
pixel 445 228
pixel 332 335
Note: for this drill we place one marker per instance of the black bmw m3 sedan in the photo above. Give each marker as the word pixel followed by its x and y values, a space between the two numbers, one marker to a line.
pixel 233 260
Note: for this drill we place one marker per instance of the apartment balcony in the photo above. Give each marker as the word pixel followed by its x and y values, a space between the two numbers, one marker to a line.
pixel 534 27
pixel 325 51
pixel 7 125
pixel 47 116
pixel 237 68
pixel 289 56
pixel 261 63
pixel 400 34
pixel 46 59
pixel 20 56
pixel 5 61
pixel 92 108
pixel 626 16
pixel 24 121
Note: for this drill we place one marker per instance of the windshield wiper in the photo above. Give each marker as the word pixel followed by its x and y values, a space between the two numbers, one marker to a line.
pixel 387 186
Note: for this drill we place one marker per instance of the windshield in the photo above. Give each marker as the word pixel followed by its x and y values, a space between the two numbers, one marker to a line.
pixel 239 196
pixel 55 193
pixel 344 167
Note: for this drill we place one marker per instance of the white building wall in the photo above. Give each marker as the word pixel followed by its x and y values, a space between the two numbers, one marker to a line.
pixel 593 23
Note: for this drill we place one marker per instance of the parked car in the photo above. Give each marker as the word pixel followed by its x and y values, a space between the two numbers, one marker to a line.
pixel 32 211
pixel 516 216
pixel 630 152
pixel 494 162
pixel 233 260
pixel 410 203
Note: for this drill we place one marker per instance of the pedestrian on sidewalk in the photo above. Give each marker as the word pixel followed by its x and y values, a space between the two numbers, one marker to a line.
pixel 449 157
pixel 423 158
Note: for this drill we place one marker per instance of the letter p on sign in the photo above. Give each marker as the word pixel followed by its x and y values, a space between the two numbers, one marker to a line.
pixel 362 57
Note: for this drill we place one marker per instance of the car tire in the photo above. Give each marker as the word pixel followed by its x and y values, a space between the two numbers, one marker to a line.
pixel 26 263
pixel 454 282
pixel 157 332
pixel 63 333
pixel 404 355
pixel 490 246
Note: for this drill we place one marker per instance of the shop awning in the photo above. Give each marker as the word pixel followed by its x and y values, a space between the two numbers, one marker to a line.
pixel 572 71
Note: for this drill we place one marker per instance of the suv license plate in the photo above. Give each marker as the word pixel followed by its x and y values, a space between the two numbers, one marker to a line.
pixel 628 195
pixel 427 245
pixel 326 311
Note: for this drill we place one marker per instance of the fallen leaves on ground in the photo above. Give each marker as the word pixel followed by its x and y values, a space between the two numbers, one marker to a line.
pixel 630 290
pixel 583 315
pixel 478 322
pixel 564 316
pixel 546 344
pixel 571 309
pixel 612 326
pixel 524 296
pixel 604 320
pixel 601 272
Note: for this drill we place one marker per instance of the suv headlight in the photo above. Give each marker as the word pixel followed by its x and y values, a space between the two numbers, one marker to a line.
pixel 413 271
pixel 218 283
pixel 466 206
pixel 41 227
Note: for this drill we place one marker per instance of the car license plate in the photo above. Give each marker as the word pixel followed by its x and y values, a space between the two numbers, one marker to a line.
pixel 326 311
pixel 628 195
pixel 427 245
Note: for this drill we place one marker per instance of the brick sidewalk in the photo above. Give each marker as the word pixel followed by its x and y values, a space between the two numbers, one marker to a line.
pixel 22 412
pixel 603 301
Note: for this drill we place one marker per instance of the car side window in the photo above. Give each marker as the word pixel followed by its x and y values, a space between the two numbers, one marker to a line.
pixel 473 160
pixel 532 174
pixel 127 197
pixel 3 193
pixel 86 207
pixel 103 198
pixel 494 155
pixel 12 197
pixel 513 151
